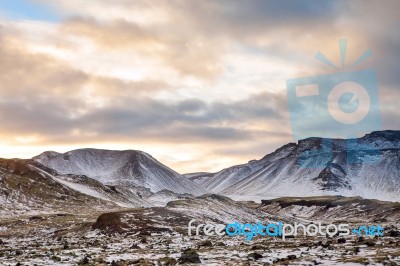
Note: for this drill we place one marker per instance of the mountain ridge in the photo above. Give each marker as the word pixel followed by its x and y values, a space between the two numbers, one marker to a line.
pixel 131 178
pixel 366 166
pixel 124 168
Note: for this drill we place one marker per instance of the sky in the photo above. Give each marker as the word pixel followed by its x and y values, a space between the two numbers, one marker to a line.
pixel 200 85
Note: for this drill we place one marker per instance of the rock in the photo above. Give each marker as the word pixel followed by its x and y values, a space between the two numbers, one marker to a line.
pixel 56 258
pixel 167 261
pixel 84 261
pixel 206 243
pixel 18 252
pixel 392 233
pixel 135 246
pixel 118 263
pixel 370 243
pixel 254 256
pixel 110 223
pixel 220 244
pixel 256 247
pixel 36 218
pixel 326 244
pixel 291 257
pixel 341 240
pixel 189 256
pixel 142 262
pixel 356 250
pixel 144 233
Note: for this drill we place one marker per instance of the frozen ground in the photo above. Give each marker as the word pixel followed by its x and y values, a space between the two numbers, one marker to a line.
pixel 158 235
pixel 167 249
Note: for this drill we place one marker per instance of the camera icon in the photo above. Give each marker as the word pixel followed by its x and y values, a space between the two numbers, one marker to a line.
pixel 340 105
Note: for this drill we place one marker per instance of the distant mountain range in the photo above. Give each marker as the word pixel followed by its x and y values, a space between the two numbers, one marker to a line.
pixel 368 167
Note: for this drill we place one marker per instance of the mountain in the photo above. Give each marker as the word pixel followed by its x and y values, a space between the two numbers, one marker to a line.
pixel 74 204
pixel 29 187
pixel 198 177
pixel 232 175
pixel 368 167
pixel 129 168
pixel 26 189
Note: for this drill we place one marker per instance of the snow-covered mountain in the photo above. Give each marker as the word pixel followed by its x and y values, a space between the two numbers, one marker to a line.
pixel 25 188
pixel 28 187
pixel 368 167
pixel 198 177
pixel 129 168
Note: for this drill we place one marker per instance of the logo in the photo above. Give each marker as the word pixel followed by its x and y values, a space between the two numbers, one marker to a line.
pixel 343 104
pixel 282 230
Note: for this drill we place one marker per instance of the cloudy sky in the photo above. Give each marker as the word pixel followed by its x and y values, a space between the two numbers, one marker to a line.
pixel 200 85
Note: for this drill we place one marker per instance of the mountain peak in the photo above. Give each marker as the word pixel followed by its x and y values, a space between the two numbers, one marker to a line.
pixel 367 167
pixel 391 135
pixel 124 167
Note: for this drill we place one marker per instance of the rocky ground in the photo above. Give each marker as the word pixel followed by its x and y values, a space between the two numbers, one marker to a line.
pixel 158 236
pixel 165 248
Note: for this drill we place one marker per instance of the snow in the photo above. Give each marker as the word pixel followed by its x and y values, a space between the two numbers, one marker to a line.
pixel 280 174
pixel 128 168
pixel 84 189
pixel 275 175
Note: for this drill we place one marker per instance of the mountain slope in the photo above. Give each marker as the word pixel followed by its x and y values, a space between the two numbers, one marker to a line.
pixel 199 177
pixel 24 188
pixel 368 167
pixel 232 175
pixel 127 168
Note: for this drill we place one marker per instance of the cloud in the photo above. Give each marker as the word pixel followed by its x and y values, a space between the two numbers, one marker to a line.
pixel 196 55
pixel 199 83
pixel 135 119
pixel 50 99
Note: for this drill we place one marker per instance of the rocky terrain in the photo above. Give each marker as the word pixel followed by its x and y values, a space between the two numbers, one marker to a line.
pixel 367 167
pixel 158 235
pixel 30 187
pixel 101 207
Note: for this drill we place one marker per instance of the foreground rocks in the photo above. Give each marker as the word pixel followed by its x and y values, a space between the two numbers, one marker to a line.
pixel 159 236
pixel 88 247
